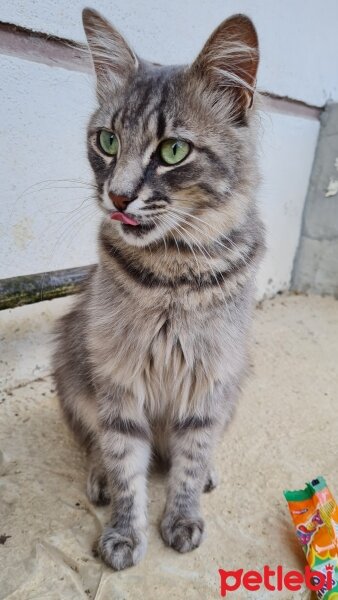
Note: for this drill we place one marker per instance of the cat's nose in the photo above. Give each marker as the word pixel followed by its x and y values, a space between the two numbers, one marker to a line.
pixel 120 202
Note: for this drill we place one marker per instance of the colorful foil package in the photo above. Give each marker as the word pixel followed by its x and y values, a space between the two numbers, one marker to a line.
pixel 315 515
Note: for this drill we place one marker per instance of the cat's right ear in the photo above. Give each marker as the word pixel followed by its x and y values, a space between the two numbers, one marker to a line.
pixel 114 61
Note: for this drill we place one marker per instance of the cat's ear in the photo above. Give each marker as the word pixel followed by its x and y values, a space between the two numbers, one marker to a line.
pixel 113 59
pixel 230 57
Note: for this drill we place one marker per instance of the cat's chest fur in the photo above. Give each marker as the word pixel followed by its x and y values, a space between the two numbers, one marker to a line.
pixel 167 355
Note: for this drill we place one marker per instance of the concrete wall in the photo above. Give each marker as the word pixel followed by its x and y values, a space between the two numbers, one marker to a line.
pixel 316 265
pixel 48 221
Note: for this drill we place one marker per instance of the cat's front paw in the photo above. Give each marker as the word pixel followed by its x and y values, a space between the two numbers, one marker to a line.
pixel 182 533
pixel 120 549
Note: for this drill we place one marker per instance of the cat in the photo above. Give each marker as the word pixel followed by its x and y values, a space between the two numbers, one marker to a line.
pixel 150 359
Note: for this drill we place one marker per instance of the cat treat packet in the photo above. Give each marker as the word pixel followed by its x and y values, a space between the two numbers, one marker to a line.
pixel 314 512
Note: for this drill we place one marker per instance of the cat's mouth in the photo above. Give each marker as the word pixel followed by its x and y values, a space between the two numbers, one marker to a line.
pixel 125 219
pixel 131 225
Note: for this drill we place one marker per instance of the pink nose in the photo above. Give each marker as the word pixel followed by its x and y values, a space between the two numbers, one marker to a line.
pixel 120 202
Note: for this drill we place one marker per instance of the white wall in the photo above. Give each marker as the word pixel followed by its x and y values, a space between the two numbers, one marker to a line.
pixel 44 110
pixel 298 38
pixel 47 215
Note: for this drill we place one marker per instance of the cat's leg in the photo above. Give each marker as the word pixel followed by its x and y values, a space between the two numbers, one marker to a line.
pixel 97 481
pixel 125 446
pixel 81 414
pixel 211 481
pixel 191 443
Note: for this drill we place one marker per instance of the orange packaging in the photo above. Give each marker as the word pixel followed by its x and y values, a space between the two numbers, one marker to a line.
pixel 315 515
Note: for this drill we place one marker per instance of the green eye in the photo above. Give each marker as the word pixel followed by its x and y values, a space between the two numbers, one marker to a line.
pixel 108 142
pixel 174 151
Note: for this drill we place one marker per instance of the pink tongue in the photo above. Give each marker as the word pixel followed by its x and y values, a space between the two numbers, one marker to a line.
pixel 119 216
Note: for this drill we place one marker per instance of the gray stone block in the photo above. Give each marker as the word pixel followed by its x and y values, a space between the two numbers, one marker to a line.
pixel 317 266
pixel 316 263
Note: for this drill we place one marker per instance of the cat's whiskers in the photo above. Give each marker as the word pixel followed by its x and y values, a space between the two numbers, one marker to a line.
pixel 80 184
pixel 174 227
pixel 64 219
pixel 33 188
pixel 213 240
pixel 53 250
pixel 222 234
pixel 206 255
pixel 219 285
pixel 201 246
pixel 204 250
pixel 77 208
pixel 70 222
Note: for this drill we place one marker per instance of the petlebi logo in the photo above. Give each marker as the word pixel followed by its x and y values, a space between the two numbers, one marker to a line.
pixel 277 580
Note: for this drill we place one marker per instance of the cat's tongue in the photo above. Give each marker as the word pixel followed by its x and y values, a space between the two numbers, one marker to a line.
pixel 119 216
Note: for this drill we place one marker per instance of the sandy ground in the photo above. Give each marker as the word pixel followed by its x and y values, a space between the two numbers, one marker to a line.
pixel 284 433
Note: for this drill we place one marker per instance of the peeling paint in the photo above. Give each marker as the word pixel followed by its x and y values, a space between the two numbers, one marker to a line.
pixel 332 188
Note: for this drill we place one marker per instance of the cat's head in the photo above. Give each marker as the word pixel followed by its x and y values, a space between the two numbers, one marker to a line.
pixel 171 147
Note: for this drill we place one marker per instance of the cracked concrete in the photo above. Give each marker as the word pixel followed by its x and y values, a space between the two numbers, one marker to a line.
pixel 284 433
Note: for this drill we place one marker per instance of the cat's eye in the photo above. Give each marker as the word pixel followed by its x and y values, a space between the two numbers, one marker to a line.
pixel 108 142
pixel 174 151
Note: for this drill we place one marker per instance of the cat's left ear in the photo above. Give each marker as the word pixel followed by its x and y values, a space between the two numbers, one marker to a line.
pixel 113 59
pixel 229 59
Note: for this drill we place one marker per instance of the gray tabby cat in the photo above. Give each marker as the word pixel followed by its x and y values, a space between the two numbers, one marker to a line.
pixel 152 355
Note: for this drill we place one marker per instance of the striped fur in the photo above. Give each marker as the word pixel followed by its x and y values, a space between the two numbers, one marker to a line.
pixel 152 356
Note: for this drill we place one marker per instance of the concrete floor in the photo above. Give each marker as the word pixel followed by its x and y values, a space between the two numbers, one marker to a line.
pixel 284 433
